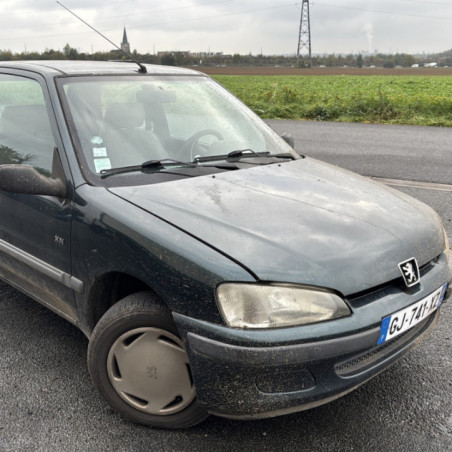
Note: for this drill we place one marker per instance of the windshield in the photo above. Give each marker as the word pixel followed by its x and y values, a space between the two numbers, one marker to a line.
pixel 124 121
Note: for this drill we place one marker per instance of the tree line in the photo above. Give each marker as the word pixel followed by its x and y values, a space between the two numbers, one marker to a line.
pixel 189 59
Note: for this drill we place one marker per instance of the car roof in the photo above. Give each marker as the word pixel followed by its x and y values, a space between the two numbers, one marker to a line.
pixel 81 67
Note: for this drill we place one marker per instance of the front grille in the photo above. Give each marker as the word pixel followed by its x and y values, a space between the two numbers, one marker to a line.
pixel 359 363
pixel 391 287
pixel 428 267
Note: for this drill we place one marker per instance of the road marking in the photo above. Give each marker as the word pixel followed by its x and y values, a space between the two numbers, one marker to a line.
pixel 413 184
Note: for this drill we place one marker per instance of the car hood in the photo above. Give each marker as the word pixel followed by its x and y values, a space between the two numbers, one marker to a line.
pixel 300 222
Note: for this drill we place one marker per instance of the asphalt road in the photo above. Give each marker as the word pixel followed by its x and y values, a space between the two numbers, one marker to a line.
pixel 48 403
pixel 397 152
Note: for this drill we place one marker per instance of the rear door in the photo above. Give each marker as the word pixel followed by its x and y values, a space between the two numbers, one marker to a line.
pixel 34 230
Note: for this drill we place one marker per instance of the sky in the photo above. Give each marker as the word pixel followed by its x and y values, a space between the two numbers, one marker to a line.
pixel 269 27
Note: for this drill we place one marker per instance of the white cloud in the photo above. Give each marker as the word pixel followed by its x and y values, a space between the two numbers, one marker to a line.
pixel 229 25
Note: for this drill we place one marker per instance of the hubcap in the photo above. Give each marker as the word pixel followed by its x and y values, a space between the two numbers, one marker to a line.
pixel 149 369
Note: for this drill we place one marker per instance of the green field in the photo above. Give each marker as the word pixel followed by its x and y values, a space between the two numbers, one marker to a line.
pixel 418 100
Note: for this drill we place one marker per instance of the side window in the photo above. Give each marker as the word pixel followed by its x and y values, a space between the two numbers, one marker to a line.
pixel 25 133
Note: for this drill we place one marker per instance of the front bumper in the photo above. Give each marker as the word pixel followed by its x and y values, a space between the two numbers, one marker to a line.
pixel 251 382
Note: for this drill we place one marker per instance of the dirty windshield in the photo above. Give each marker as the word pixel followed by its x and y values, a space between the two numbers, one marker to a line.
pixel 127 121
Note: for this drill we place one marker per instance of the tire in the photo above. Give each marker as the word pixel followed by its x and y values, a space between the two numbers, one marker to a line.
pixel 139 364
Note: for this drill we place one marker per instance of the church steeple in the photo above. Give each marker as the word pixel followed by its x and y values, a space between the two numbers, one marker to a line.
pixel 125 46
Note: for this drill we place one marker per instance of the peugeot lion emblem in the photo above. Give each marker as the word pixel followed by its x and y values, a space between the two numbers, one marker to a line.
pixel 410 272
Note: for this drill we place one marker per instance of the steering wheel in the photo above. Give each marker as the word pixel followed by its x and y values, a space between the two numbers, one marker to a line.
pixel 192 144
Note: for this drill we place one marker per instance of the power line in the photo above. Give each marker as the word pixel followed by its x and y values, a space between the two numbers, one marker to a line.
pixel 392 13
pixel 428 3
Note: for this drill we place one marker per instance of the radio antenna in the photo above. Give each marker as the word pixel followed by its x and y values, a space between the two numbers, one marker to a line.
pixel 142 66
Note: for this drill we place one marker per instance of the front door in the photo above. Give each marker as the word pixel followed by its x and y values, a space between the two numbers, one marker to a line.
pixel 34 230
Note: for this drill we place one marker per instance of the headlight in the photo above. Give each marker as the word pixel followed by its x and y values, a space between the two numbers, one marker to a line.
pixel 276 306
pixel 446 241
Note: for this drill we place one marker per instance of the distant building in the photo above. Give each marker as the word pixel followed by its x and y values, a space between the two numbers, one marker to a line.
pixel 125 46
pixel 185 53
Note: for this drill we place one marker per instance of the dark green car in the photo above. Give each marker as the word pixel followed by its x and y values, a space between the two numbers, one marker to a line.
pixel 213 268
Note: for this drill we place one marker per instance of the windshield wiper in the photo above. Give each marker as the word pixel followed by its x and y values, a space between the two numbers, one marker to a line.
pixel 149 164
pixel 232 156
pixel 284 155
pixel 163 163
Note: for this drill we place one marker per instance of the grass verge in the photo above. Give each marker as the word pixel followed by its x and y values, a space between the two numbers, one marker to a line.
pixel 414 100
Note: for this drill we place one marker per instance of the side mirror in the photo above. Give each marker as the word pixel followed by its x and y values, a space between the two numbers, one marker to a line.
pixel 288 138
pixel 24 179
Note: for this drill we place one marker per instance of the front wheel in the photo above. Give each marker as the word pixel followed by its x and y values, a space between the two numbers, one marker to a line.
pixel 139 364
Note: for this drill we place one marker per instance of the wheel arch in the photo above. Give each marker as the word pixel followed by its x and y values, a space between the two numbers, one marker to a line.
pixel 107 290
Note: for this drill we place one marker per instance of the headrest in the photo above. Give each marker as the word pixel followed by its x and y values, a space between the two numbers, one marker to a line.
pixel 125 115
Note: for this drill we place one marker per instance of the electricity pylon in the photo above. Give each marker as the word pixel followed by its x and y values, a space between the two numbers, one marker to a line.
pixel 304 35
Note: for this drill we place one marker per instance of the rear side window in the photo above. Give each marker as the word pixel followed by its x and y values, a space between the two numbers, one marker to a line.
pixel 25 133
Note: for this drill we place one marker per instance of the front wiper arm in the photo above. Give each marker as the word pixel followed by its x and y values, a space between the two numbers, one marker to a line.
pixel 246 153
pixel 232 155
pixel 284 155
pixel 163 163
pixel 123 169
pixel 149 164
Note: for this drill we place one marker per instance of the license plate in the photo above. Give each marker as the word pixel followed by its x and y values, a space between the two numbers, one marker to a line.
pixel 407 318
